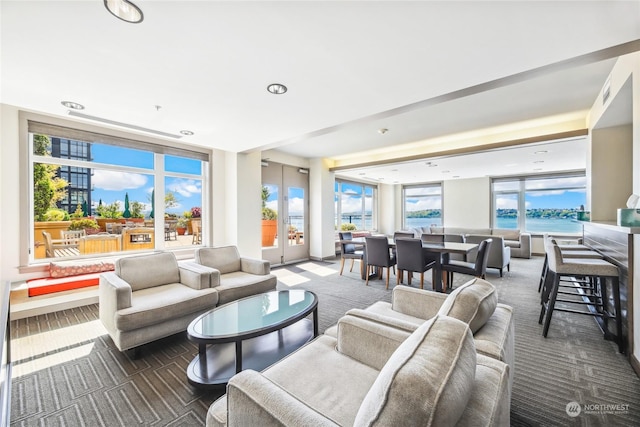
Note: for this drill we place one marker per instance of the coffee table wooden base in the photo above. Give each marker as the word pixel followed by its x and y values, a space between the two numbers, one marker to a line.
pixel 217 364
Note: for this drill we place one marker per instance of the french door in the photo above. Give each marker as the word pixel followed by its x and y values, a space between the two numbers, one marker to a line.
pixel 285 223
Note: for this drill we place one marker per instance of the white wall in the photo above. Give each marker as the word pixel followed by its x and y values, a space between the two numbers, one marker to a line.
pixel 10 194
pixel 389 214
pixel 321 210
pixel 467 203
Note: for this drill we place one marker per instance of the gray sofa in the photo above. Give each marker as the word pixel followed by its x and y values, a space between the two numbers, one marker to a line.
pixel 499 253
pixel 374 374
pixel 150 297
pixel 519 243
pixel 153 296
pixel 475 303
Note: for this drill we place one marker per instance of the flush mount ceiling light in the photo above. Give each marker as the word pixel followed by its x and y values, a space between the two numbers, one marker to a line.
pixel 382 131
pixel 186 132
pixel 541 152
pixel 125 10
pixel 73 105
pixel 277 88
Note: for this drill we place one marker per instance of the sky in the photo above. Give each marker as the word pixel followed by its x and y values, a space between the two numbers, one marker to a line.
pixel 110 186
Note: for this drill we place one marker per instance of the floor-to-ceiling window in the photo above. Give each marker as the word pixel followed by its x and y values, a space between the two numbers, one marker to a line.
pixel 355 206
pixel 539 204
pixel 422 205
pixel 114 194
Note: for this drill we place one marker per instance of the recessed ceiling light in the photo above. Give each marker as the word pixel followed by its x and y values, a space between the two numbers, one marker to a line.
pixel 537 169
pixel 446 171
pixel 541 152
pixel 73 105
pixel 277 88
pixel 125 10
pixel 382 131
pixel 539 161
pixel 432 165
pixel 455 176
pixel 362 173
pixel 186 132
pixel 394 170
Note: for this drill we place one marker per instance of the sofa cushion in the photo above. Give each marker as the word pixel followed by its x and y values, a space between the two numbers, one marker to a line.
pixel 77 268
pixel 506 233
pixel 238 285
pixel 147 271
pixel 473 303
pixel 427 381
pixel 155 305
pixel 226 259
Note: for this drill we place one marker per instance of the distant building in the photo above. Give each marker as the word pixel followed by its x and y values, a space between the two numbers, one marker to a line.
pixel 79 179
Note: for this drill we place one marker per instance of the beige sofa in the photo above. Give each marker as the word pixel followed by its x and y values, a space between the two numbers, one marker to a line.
pixel 153 296
pixel 233 276
pixel 150 297
pixel 475 303
pixel 374 374
pixel 518 242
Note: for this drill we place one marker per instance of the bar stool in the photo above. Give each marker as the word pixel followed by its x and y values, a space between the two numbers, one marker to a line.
pixel 569 252
pixel 592 293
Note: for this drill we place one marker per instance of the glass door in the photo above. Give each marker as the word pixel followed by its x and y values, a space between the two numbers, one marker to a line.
pixel 285 224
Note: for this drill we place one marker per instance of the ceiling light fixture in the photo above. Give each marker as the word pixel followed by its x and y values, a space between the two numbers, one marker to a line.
pixel 186 132
pixel 73 105
pixel 125 10
pixel 277 88
pixel 539 161
pixel 382 131
pixel 446 171
pixel 541 152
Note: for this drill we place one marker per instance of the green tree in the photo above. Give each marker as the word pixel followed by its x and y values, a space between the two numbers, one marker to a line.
pixel 171 200
pixel 47 188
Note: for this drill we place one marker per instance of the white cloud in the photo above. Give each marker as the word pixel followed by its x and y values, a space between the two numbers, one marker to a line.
pixel 506 203
pixel 186 187
pixel 117 181
pixel 423 204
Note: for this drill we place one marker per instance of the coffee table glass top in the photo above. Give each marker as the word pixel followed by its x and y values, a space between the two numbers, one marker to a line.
pixel 253 314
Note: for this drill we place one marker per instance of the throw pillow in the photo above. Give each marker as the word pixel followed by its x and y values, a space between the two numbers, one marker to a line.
pixel 473 303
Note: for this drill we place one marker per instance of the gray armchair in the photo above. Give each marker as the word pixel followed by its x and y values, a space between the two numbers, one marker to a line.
pixel 233 276
pixel 499 253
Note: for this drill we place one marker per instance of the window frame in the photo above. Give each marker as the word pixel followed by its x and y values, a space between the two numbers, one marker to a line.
pixel 374 202
pixel 522 192
pixel 158 147
pixel 438 184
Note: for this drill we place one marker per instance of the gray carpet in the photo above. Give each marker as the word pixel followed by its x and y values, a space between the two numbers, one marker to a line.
pixel 88 382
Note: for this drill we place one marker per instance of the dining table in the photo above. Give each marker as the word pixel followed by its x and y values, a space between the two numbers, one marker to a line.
pixel 429 247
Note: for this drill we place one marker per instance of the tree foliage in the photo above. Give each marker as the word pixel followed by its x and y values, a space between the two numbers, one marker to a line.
pixel 47 188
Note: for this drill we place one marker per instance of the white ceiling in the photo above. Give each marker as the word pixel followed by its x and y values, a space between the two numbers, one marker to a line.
pixel 422 69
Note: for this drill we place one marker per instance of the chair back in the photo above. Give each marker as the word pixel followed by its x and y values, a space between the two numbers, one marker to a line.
pixel 480 266
pixel 403 234
pixel 48 244
pixel 409 254
pixel 432 238
pixel 378 251
pixel 346 248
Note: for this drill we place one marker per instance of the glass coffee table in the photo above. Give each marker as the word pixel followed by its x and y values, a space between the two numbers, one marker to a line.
pixel 252 332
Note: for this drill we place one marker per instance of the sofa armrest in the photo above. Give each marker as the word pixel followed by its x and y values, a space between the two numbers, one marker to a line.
pixel 113 294
pixel 251 398
pixel 195 277
pixel 370 343
pixel 525 245
pixel 114 291
pixel 417 302
pixel 379 318
pixel 211 274
pixel 255 266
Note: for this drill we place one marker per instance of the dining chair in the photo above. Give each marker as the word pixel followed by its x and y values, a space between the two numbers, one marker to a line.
pixel 444 256
pixel 411 258
pixel 378 255
pixel 196 230
pixel 477 268
pixel 349 251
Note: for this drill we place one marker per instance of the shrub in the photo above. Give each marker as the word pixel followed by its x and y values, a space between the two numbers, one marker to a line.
pixel 56 215
pixel 82 224
pixel 196 212
pixel 347 226
pixel 268 213
pixel 112 210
